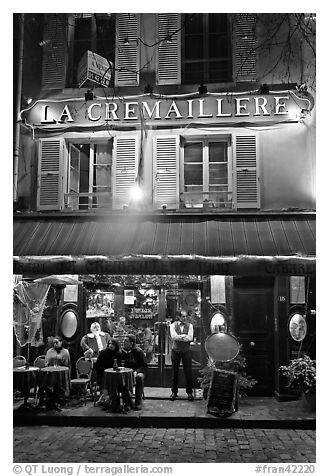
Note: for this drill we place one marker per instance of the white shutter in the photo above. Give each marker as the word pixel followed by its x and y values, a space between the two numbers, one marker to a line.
pixel 127 49
pixel 244 36
pixel 50 174
pixel 125 167
pixel 246 188
pixel 166 153
pixel 55 51
pixel 168 70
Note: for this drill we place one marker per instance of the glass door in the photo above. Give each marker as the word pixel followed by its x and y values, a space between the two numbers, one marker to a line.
pixel 155 308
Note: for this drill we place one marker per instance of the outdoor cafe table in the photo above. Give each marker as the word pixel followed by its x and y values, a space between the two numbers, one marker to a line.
pixel 116 380
pixel 55 377
pixel 25 378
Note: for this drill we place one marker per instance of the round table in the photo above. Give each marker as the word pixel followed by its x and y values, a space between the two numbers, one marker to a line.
pixel 114 381
pixel 55 377
pixel 25 378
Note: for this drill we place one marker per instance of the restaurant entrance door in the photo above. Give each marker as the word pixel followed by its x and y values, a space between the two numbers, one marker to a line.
pixel 254 328
pixel 172 299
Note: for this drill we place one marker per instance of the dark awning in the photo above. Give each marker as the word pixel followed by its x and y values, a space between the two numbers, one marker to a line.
pixel 245 244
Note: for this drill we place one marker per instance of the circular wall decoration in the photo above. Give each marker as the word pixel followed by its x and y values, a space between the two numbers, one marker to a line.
pixel 297 327
pixel 69 323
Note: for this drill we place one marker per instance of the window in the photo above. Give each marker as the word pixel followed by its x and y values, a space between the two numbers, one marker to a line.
pixel 206 54
pixel 93 32
pixel 206 174
pixel 89 176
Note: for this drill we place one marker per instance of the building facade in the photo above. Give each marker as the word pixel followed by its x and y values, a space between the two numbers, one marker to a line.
pixel 173 156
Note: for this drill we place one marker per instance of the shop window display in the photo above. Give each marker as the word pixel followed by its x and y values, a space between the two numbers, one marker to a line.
pixel 132 306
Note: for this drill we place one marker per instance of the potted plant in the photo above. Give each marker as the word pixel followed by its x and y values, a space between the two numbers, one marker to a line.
pixel 301 378
pixel 238 364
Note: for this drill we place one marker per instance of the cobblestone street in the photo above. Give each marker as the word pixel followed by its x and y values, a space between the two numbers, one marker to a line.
pixel 161 445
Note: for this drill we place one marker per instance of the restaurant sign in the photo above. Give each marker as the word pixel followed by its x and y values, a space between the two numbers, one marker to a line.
pixel 214 108
pixel 167 265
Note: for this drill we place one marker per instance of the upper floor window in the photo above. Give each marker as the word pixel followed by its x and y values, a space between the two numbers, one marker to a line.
pixel 206 174
pixel 206 48
pixel 94 32
pixel 89 178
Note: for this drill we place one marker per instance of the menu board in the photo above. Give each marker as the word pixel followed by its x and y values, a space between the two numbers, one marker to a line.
pixel 222 392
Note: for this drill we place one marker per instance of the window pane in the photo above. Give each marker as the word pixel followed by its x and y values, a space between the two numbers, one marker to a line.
pixel 217 173
pixel 220 71
pixel 218 46
pixel 218 23
pixel 82 29
pixel 193 47
pixel 193 152
pixel 193 24
pixel 193 174
pixel 193 73
pixel 217 152
pixel 105 37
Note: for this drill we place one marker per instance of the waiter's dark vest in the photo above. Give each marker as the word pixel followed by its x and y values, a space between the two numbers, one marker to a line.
pixel 180 346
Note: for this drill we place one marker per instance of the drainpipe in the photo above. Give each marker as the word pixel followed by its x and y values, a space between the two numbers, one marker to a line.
pixel 18 105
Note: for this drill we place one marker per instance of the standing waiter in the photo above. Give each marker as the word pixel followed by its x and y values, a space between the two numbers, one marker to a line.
pixel 181 333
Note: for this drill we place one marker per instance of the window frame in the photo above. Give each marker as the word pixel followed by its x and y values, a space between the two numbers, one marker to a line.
pixel 205 140
pixel 71 77
pixel 205 59
pixel 92 168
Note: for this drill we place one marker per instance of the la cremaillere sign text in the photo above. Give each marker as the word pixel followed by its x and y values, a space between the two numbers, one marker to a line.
pixel 228 108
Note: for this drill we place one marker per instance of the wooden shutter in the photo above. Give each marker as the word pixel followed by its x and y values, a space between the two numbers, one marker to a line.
pixel 244 43
pixel 246 190
pixel 125 167
pixel 50 174
pixel 55 51
pixel 168 70
pixel 166 153
pixel 127 49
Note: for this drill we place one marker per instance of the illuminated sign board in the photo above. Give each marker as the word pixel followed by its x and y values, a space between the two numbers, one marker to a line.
pixel 215 108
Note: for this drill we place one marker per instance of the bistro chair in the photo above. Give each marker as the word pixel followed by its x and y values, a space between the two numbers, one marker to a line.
pixel 19 361
pixel 40 362
pixel 84 368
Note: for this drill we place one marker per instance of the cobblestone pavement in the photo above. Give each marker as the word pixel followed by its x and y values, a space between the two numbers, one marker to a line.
pixel 161 445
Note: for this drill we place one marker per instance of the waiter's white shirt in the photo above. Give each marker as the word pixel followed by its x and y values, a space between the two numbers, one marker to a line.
pixel 176 336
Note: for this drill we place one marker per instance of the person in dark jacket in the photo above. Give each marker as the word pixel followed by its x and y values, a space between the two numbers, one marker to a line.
pixel 104 361
pixel 134 358
pixel 106 358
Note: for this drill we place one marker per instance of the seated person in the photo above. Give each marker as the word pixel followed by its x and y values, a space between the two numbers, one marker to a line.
pixel 104 361
pixel 59 356
pixel 95 341
pixel 134 358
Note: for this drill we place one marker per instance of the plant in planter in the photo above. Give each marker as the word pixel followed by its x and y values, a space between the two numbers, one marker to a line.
pixel 238 365
pixel 301 375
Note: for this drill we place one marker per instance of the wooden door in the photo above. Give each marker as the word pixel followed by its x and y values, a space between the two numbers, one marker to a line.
pixel 254 328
